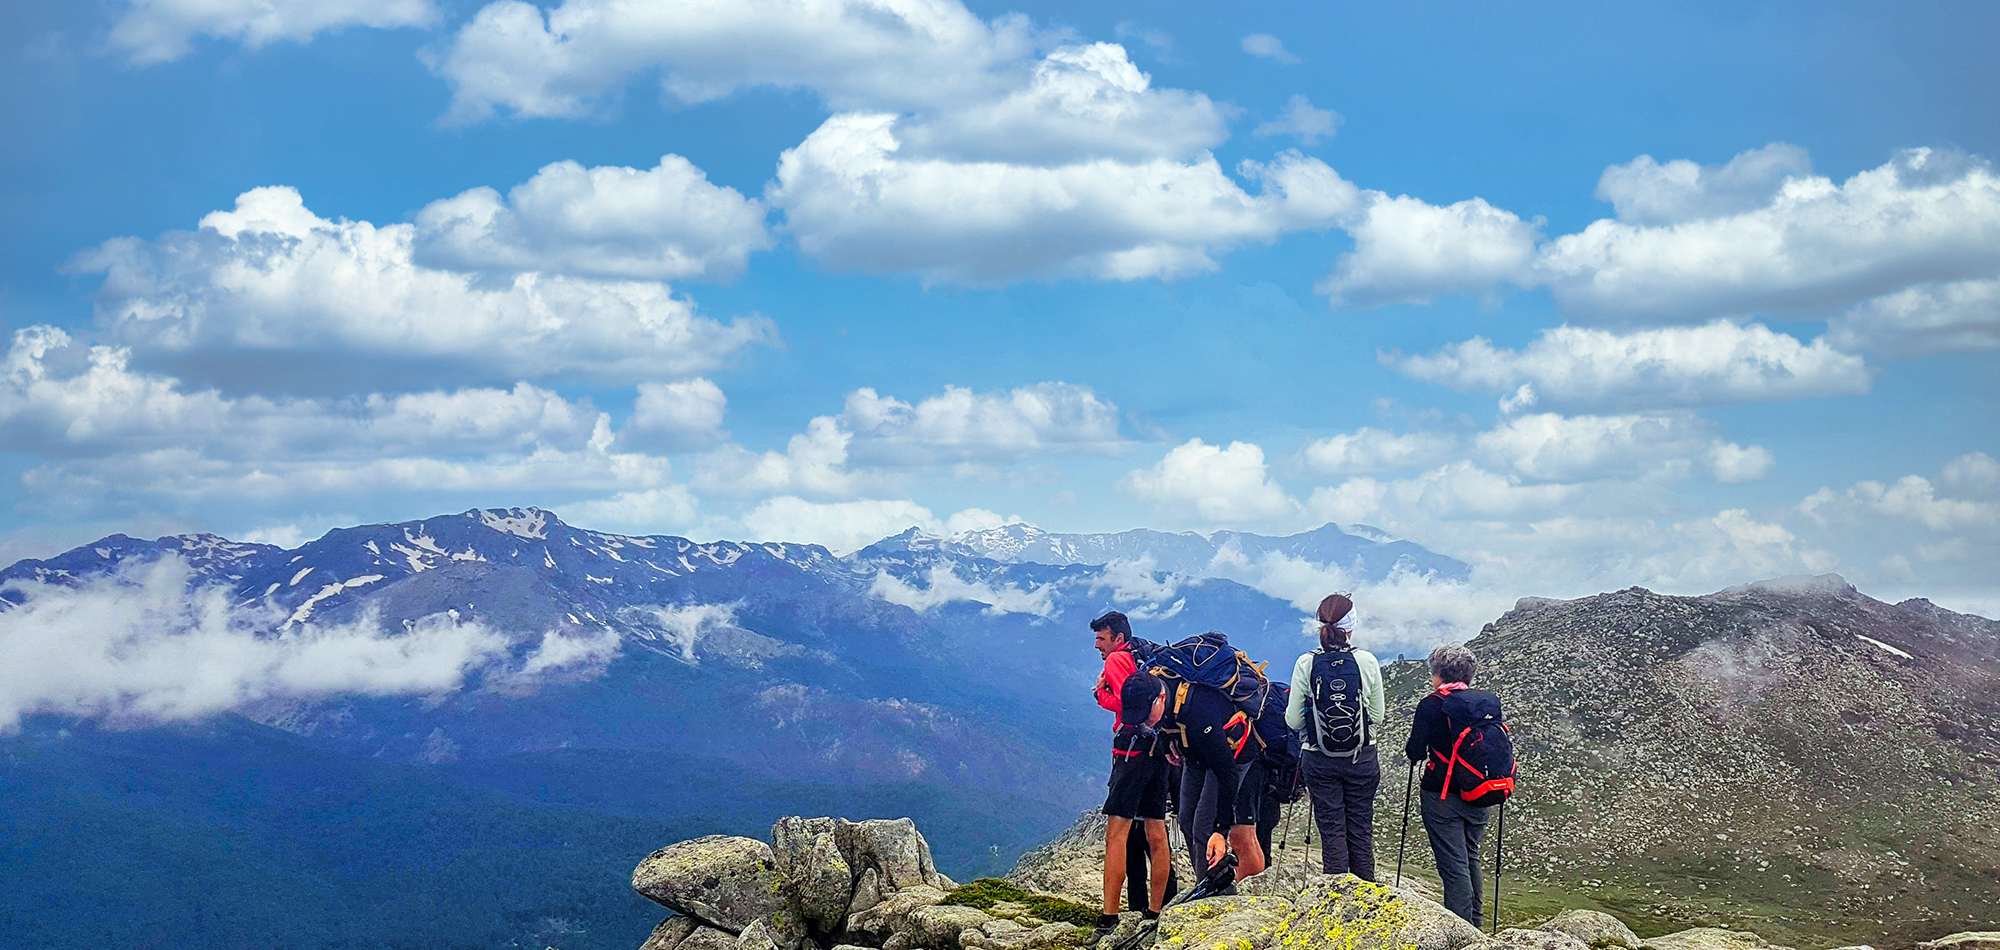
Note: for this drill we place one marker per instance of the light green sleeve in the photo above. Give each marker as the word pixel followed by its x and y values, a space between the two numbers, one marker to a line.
pixel 1371 691
pixel 1295 711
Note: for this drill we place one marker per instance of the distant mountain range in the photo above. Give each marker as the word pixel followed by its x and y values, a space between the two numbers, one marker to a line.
pixel 1369 553
pixel 942 676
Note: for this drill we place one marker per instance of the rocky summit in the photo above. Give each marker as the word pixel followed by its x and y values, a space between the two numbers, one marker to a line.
pixel 844 885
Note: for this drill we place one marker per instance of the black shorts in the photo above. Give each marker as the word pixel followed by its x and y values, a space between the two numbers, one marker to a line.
pixel 1138 788
pixel 1250 794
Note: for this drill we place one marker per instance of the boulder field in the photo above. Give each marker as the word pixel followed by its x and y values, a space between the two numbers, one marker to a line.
pixel 835 884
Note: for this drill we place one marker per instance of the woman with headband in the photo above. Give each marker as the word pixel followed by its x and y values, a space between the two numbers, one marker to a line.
pixel 1337 704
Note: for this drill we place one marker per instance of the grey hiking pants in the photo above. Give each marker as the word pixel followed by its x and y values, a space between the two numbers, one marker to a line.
pixel 1343 800
pixel 1455 829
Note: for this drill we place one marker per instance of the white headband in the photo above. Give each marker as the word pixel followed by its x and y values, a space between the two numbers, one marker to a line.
pixel 1345 624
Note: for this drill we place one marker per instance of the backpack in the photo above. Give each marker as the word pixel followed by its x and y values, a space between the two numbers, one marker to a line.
pixel 1281 747
pixel 1480 766
pixel 1338 720
pixel 1206 660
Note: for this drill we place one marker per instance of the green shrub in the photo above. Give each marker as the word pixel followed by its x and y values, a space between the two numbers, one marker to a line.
pixel 983 893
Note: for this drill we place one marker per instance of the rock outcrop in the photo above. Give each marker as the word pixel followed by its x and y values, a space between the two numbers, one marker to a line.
pixel 1594 929
pixel 871 885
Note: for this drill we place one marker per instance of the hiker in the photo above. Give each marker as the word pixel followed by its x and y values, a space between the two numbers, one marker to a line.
pixel 1338 705
pixel 1455 826
pixel 1218 810
pixel 1138 788
pixel 1277 769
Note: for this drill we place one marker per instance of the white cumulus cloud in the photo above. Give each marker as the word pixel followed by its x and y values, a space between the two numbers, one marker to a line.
pixel 1551 447
pixel 855 200
pixel 1912 498
pixel 1646 192
pixel 900 54
pixel 1080 103
pixel 675 415
pixel 1926 215
pixel 1368 449
pixel 155 31
pixel 1460 489
pixel 1959 316
pixel 270 277
pixel 666 222
pixel 962 424
pixel 1718 363
pixel 60 398
pixel 1223 484
pixel 1975 473
pixel 1409 251
pixel 1732 463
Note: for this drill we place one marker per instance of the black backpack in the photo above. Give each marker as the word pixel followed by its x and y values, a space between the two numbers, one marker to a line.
pixel 1338 720
pixel 1479 766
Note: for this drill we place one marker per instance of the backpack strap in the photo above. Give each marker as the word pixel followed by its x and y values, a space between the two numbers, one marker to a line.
pixel 1241 718
pixel 1452 763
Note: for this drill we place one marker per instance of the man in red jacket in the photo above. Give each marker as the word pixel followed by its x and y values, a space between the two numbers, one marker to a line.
pixel 1138 788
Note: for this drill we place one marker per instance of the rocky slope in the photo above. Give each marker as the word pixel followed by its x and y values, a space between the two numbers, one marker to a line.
pixel 833 883
pixel 1791 757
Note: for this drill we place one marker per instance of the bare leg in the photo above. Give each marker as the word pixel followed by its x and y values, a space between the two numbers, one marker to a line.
pixel 1116 830
pixel 1249 854
pixel 1163 861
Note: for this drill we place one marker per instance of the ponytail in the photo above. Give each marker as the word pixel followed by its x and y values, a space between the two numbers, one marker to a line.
pixel 1336 622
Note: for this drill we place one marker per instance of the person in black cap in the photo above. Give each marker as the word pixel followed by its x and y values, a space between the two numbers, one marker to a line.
pixel 1137 793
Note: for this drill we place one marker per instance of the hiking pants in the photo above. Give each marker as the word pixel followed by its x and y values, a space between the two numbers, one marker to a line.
pixel 1343 800
pixel 1205 794
pixel 1455 829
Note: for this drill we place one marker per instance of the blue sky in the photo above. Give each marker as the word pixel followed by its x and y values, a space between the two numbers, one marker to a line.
pixel 1680 295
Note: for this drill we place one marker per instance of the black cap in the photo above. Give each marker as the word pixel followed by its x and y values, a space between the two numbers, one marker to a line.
pixel 1135 698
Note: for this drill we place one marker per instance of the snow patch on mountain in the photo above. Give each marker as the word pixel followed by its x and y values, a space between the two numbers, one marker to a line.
pixel 305 610
pixel 1884 646
pixel 530 523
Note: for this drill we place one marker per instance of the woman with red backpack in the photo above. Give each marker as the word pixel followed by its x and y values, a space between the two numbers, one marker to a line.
pixel 1459 736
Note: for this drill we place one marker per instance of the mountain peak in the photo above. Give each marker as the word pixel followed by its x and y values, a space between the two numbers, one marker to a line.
pixel 531 523
pixel 1798 584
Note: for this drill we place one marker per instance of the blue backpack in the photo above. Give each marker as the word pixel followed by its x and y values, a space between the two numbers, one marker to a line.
pixel 1208 660
pixel 1281 747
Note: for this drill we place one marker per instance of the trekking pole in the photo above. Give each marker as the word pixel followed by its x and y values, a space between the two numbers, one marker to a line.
pixel 1499 841
pixel 1409 782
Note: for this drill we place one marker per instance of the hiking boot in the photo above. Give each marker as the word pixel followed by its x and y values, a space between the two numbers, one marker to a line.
pixel 1106 923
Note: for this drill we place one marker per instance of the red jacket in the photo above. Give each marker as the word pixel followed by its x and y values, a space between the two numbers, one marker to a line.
pixel 1117 666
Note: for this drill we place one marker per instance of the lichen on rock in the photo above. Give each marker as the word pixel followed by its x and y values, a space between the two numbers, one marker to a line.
pixel 1224 923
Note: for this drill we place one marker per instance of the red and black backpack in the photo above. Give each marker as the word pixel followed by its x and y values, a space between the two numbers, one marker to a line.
pixel 1479 764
